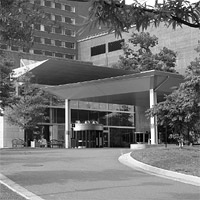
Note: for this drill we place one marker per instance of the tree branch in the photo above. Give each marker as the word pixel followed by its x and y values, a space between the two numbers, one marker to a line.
pixel 177 19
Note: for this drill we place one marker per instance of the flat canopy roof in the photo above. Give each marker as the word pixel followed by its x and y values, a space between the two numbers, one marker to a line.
pixel 60 71
pixel 132 89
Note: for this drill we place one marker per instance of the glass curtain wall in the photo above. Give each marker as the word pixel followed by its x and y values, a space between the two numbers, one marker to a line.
pixel 118 120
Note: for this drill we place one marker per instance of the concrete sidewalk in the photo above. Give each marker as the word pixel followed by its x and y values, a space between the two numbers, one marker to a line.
pixel 126 159
pixel 12 191
pixel 7 194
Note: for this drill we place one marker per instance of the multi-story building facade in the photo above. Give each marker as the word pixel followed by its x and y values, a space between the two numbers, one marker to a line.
pixel 104 49
pixel 57 40
pixel 61 41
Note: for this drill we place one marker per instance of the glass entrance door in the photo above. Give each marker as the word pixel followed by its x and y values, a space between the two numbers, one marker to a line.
pixel 88 139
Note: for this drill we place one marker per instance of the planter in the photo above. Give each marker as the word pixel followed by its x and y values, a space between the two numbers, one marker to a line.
pixel 138 146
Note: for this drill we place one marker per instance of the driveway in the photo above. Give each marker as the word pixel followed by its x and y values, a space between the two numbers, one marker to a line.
pixel 87 174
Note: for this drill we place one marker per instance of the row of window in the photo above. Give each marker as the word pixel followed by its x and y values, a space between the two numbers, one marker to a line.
pixel 38 52
pixel 53 54
pixel 102 117
pixel 60 18
pixel 112 46
pixel 56 30
pixel 57 43
pixel 57 5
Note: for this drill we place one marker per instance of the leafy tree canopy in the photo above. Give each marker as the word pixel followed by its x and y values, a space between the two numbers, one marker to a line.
pixel 181 109
pixel 6 87
pixel 17 19
pixel 120 17
pixel 28 105
pixel 138 55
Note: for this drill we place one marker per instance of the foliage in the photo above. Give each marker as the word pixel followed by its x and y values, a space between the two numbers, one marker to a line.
pixel 181 109
pixel 120 17
pixel 17 20
pixel 29 105
pixel 6 87
pixel 138 55
pixel 194 67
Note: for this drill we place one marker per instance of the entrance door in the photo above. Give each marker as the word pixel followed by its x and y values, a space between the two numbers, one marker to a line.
pixel 105 139
pixel 88 139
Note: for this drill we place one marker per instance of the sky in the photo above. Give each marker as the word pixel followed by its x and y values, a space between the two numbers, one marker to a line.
pixel 152 2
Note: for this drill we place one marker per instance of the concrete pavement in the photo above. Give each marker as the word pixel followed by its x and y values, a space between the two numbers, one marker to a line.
pixel 8 194
pixel 126 159
pixel 92 174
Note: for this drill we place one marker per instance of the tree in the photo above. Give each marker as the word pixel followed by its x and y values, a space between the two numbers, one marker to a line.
pixel 118 16
pixel 6 87
pixel 181 109
pixel 30 105
pixel 138 55
pixel 17 20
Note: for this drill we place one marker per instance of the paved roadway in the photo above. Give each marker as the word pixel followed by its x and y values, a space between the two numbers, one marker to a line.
pixel 87 174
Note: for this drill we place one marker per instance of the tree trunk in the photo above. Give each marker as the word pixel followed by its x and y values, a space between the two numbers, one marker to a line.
pixel 166 137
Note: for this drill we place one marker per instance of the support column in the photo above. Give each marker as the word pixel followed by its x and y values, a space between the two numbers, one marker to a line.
pixel 67 124
pixel 153 120
pixel 1 131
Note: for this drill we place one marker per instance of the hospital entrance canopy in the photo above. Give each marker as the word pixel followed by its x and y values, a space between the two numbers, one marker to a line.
pixel 77 80
pixel 131 89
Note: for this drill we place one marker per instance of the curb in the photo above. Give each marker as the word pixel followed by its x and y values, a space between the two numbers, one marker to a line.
pixel 126 159
pixel 18 189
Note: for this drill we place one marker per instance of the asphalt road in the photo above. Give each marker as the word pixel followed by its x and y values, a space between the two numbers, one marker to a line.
pixel 87 174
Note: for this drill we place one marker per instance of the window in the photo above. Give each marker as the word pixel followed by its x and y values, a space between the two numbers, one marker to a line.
pixel 48 29
pixel 47 41
pixel 14 48
pixel 37 52
pixel 69 32
pixel 69 20
pixel 58 43
pixel 37 39
pixel 48 15
pixel 48 53
pixel 47 3
pixel 38 3
pixel 69 8
pixel 37 27
pixel 68 56
pixel 42 27
pixel 58 30
pixel 69 45
pixel 58 5
pixel 98 50
pixel 3 46
pixel 60 55
pixel 58 18
pixel 25 50
pixel 73 33
pixel 114 46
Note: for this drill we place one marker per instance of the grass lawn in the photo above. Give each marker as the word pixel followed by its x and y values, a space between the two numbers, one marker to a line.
pixel 185 160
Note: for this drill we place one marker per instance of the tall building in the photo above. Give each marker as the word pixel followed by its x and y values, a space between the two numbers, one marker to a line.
pixel 58 40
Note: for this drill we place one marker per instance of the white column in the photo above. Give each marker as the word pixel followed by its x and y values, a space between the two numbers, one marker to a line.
pixel 153 120
pixel 1 131
pixel 67 124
